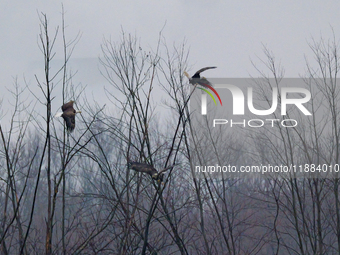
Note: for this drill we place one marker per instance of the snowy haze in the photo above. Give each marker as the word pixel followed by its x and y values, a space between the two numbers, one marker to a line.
pixel 226 34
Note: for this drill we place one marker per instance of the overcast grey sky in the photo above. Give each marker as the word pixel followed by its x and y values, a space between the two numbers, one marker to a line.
pixel 223 33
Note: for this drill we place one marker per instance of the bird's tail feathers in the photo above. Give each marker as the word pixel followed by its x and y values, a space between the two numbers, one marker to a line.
pixel 186 74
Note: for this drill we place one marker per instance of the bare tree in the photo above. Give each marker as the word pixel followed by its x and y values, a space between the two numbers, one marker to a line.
pixel 17 170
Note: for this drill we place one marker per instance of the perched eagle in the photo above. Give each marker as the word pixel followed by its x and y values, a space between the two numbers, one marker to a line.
pixel 148 169
pixel 69 115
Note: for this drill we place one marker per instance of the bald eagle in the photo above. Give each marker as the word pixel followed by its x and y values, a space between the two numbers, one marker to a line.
pixel 148 169
pixel 196 79
pixel 69 115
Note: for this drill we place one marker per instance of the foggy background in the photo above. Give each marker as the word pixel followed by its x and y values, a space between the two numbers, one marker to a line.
pixel 73 193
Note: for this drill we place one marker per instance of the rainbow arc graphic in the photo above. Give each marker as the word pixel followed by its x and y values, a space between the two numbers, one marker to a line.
pixel 209 93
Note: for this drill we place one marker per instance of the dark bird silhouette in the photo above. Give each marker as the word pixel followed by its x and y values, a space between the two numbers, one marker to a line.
pixel 148 169
pixel 69 115
pixel 197 74
pixel 196 79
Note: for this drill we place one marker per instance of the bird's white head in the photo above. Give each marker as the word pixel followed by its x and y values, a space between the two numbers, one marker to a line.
pixel 187 75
